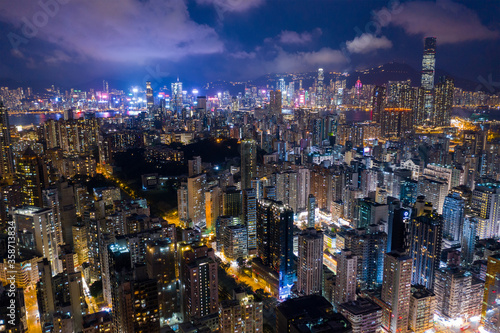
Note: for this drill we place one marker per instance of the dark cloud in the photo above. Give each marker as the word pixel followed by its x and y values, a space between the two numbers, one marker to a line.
pixel 127 31
pixel 449 21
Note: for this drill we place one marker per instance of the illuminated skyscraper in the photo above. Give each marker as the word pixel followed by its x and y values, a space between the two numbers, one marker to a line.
pixel 426 232
pixel 176 102
pixel 275 241
pixel 32 174
pixel 149 96
pixel 248 162
pixel 428 69
pixel 250 218
pixel 320 89
pixel 6 163
pixel 453 216
pixel 311 211
pixel 282 89
pixel 378 103
pixel 443 102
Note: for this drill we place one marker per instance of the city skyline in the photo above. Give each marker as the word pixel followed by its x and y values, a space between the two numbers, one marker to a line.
pixel 230 36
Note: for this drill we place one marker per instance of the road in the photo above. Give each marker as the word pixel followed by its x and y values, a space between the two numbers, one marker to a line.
pixel 32 311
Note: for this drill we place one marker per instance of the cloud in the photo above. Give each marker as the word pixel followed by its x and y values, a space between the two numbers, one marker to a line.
pixel 232 5
pixel 304 61
pixel 131 31
pixel 243 55
pixel 292 37
pixel 368 43
pixel 449 21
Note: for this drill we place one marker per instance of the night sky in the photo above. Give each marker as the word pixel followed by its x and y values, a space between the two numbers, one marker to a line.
pixel 73 42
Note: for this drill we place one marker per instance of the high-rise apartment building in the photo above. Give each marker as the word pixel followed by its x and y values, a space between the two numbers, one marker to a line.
pixel 453 219
pixel 422 307
pixel 310 262
pixel 248 162
pixel 396 290
pixel 33 178
pixel 6 162
pixel 345 283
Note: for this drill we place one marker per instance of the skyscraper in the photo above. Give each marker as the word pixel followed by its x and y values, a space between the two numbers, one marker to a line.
pixel 275 102
pixel 320 88
pixel 345 284
pixel 453 218
pixel 378 103
pixel 176 103
pixel 468 243
pixel 150 100
pixel 6 163
pixel 310 262
pixel 396 290
pixel 428 69
pixel 248 162
pixel 311 211
pixel 275 241
pixel 425 247
pixel 32 174
pixel 199 278
pixel 250 218
pixel 443 102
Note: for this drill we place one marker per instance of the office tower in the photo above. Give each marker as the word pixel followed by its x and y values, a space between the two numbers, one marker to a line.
pixel 371 213
pixel 422 307
pixel 434 190
pixel 150 100
pixel 36 232
pixel 377 103
pixel 320 89
pixel 194 166
pixel 45 291
pixel 242 314
pixel 176 103
pixel 32 173
pixel 345 283
pixel 399 230
pixel 196 199
pixel 303 187
pixel 161 266
pixel 458 294
pixel 250 218
pixel 453 219
pixel 6 162
pixel 231 202
pixel 428 69
pixel 275 101
pixel 311 211
pixel 364 315
pixel 408 192
pixel 199 278
pixel 485 204
pixel 310 262
pixel 281 86
pixel 426 230
pixel 248 162
pixel 396 290
pixel 351 193
pixel 443 101
pixel 286 188
pixel 312 313
pixel 468 243
pixel 275 241
pixel 235 241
